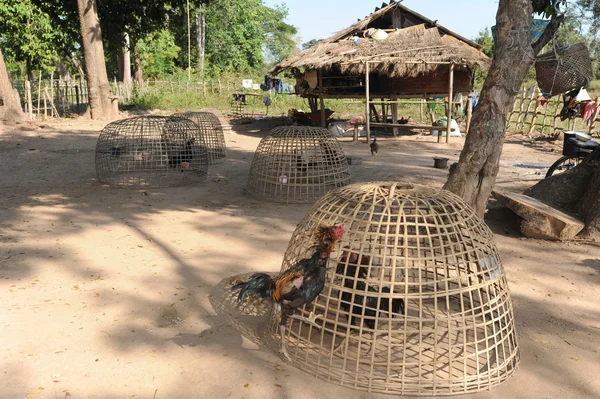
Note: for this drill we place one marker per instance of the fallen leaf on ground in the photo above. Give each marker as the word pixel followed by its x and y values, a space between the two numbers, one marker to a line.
pixel 246 385
pixel 33 395
pixel 278 386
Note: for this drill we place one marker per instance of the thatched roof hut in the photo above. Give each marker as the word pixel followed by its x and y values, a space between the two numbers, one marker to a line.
pixel 411 58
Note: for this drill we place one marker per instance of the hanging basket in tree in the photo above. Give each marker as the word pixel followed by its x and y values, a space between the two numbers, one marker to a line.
pixel 563 69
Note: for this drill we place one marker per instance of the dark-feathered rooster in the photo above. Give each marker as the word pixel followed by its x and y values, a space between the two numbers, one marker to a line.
pixel 359 304
pixel 374 148
pixel 296 286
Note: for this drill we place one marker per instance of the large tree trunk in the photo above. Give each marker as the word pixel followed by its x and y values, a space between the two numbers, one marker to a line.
pixel 201 39
pixel 474 176
pixel 138 76
pixel 124 61
pixel 577 191
pixel 10 106
pixel 95 66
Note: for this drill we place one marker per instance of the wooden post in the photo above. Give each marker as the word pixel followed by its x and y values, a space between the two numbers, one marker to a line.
pixel 469 111
pixel 594 115
pixel 321 102
pixel 421 110
pixel 29 100
pixel 45 108
pixel 355 133
pixel 395 115
pixel 367 104
pixel 450 97
pixel 220 87
pixel 39 94
pixel 52 86
pixel 77 99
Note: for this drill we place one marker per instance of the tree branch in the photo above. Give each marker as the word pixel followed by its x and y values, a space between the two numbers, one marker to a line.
pixel 548 34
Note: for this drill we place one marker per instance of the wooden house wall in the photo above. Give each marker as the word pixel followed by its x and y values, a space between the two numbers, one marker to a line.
pixel 383 86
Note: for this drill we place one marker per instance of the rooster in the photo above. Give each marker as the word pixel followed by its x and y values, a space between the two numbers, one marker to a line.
pixel 296 286
pixel 184 156
pixel 365 307
pixel 374 148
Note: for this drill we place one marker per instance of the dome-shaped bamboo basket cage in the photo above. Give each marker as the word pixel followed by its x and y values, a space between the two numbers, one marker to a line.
pixel 154 151
pixel 437 319
pixel 297 164
pixel 212 131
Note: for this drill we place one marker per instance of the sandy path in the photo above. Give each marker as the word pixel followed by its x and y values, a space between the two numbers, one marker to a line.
pixel 105 292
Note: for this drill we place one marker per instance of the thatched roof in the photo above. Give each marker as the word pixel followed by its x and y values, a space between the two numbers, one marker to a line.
pixel 409 51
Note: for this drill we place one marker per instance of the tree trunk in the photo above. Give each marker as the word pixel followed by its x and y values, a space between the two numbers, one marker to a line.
pixel 474 176
pixel 126 61
pixel 201 39
pixel 10 106
pixel 138 76
pixel 95 66
pixel 576 191
pixel 62 70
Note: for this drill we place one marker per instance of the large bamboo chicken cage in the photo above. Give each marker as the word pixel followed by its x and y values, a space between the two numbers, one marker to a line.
pixel 154 151
pixel 211 130
pixel 416 301
pixel 297 164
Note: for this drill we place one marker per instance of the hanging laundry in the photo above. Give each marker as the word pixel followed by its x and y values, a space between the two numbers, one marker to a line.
pixel 588 111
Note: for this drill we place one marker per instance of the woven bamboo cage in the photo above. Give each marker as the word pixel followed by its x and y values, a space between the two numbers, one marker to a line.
pixel 153 151
pixel 297 164
pixel 212 130
pixel 564 69
pixel 416 301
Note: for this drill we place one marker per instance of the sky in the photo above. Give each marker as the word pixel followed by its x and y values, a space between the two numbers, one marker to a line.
pixel 319 19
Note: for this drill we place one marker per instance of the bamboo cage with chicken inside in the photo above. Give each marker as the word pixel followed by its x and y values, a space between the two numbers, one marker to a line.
pixel 211 130
pixel 416 301
pixel 297 164
pixel 151 151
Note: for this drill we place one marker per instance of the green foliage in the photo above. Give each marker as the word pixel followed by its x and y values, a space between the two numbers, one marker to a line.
pixel 26 34
pixel 235 35
pixel 486 40
pixel 279 36
pixel 158 53
pixel 310 43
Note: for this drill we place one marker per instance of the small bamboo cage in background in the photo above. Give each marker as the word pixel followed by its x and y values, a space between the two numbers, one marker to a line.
pixel 416 301
pixel 152 151
pixel 297 164
pixel 212 130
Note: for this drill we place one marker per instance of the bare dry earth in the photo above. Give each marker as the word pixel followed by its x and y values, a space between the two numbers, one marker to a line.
pixel 106 293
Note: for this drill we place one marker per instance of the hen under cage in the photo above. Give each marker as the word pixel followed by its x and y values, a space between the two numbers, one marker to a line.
pixel 297 164
pixel 211 130
pixel 154 151
pixel 416 301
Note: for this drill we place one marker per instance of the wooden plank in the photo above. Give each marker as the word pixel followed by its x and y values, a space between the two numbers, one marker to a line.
pixel 539 220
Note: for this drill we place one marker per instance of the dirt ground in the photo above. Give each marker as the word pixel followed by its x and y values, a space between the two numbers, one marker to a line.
pixel 106 293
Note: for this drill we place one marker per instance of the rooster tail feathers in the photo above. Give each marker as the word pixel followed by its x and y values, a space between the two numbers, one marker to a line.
pixel 259 284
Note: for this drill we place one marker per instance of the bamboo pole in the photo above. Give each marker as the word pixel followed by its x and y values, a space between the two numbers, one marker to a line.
pixel 39 94
pixel 321 102
pixel 469 112
pixel 29 99
pixel 367 104
pixel 395 118
pixel 450 102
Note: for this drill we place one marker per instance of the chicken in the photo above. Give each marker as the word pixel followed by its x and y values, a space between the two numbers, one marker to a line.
pixel 403 121
pixel 296 286
pixel 374 148
pixel 367 308
pixel 184 156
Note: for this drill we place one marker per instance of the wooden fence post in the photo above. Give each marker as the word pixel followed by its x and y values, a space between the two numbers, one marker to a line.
pixel 28 100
